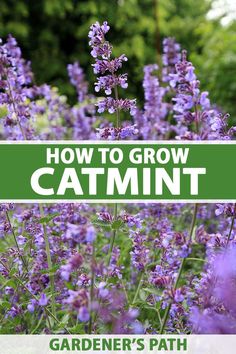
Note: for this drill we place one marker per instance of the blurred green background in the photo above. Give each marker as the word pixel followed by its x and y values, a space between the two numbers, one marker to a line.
pixel 53 33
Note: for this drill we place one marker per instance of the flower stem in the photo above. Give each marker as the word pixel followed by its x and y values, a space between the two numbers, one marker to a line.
pixel 193 221
pixel 117 111
pixel 115 205
pixel 113 237
pixel 17 246
pixel 196 259
pixel 167 311
pixel 232 225
pixel 91 290
pixel 138 288
pixel 49 260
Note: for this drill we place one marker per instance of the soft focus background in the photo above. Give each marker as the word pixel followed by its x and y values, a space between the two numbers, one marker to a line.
pixel 53 33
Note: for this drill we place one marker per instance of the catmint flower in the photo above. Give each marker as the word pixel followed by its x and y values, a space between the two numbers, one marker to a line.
pixel 113 105
pixel 207 322
pixel 73 264
pixel 101 66
pixel 105 216
pixel 151 122
pixel 9 290
pixel 132 220
pixel 100 47
pixel 227 209
pixel 43 300
pixel 6 206
pixel 13 312
pixel 178 296
pixel 216 293
pixel 21 240
pixel 139 253
pixel 83 314
pixel 137 328
pixel 91 234
pixel 103 292
pixel 171 56
pixel 188 93
pixel 84 280
pixel 15 74
pixel 107 83
pixel 111 133
pixel 193 106
pixel 101 51
pixel 31 305
pixel 77 79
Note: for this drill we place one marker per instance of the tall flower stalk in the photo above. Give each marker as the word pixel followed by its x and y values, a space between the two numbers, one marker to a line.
pixel 49 261
pixel 109 81
pixel 181 268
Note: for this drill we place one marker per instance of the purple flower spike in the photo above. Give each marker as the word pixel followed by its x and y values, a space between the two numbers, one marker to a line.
pixel 101 51
pixel 170 57
pixel 77 79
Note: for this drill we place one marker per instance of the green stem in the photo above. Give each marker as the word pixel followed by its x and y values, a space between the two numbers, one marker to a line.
pixel 196 259
pixel 158 315
pixel 125 292
pixel 115 206
pixel 115 214
pixel 38 325
pixel 49 261
pixel 138 288
pixel 193 221
pixel 118 111
pixel 48 321
pixel 91 291
pixel 15 239
pixel 232 225
pixel 167 311
pixel 196 117
pixel 113 237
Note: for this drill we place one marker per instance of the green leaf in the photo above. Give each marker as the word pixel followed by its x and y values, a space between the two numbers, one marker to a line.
pixel 116 224
pixel 103 224
pixel 142 295
pixel 50 271
pixel 5 304
pixel 79 328
pixel 65 319
pixel 5 284
pixel 12 272
pixel 47 218
pixel 153 291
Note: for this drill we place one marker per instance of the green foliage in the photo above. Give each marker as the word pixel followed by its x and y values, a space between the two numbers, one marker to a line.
pixel 218 67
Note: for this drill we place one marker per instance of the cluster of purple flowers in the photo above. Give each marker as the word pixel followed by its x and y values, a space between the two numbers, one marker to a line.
pixel 78 268
pixel 15 75
pixel 214 311
pixel 77 79
pixel 109 81
pixel 171 56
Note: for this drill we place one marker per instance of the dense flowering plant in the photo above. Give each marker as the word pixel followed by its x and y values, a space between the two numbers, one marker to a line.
pixel 141 268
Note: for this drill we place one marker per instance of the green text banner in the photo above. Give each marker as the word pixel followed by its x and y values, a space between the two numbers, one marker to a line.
pixel 132 171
